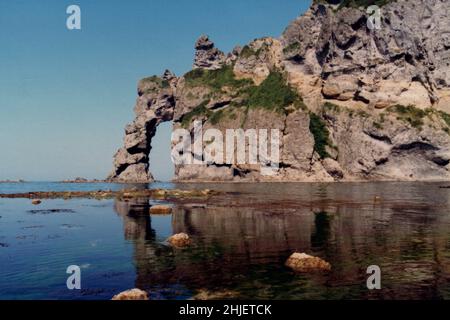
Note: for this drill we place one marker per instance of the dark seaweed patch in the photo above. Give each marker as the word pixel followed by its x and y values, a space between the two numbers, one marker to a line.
pixel 50 211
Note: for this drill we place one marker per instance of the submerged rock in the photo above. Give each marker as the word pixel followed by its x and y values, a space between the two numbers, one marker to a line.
pixel 133 294
pixel 301 262
pixel 160 209
pixel 180 240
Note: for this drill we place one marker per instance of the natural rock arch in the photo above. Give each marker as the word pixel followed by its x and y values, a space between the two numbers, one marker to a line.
pixel 155 104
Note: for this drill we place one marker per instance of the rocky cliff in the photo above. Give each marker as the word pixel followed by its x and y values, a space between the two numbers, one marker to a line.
pixel 351 102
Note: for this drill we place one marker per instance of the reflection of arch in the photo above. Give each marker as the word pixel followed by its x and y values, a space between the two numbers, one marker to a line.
pixel 231 242
pixel 136 219
pixel 152 259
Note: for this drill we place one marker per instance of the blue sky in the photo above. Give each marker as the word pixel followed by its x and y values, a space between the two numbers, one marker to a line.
pixel 65 96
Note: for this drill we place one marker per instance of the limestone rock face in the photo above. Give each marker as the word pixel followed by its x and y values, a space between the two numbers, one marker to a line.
pixel 384 148
pixel 351 103
pixel 405 61
pixel 257 59
pixel 207 56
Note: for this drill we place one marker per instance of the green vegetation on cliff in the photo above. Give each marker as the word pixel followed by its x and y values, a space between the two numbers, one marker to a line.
pixel 321 135
pixel 247 52
pixel 414 116
pixel 273 94
pixel 328 106
pixel 153 84
pixel 214 79
pixel 293 47
pixel 157 80
pixel 445 116
pixel 200 110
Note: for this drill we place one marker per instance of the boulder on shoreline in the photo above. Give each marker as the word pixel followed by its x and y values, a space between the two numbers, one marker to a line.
pixel 133 294
pixel 180 240
pixel 301 262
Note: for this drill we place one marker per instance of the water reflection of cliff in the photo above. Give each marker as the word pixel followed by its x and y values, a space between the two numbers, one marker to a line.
pixel 136 221
pixel 243 245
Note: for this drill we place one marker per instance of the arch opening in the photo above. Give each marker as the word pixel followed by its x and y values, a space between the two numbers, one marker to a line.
pixel 160 162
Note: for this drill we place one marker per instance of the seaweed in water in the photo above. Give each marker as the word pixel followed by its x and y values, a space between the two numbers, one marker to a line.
pixel 50 211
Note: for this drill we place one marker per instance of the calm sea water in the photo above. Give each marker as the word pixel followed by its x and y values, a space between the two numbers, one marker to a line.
pixel 240 242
